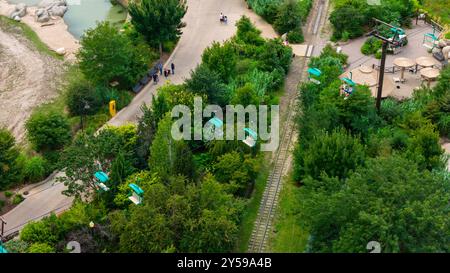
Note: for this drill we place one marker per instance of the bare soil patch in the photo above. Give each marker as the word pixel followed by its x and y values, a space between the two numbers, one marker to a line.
pixel 28 78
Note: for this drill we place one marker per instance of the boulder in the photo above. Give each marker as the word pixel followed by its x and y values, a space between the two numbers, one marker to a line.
pixel 57 11
pixel 39 12
pixel 61 51
pixel 44 18
pixel 51 3
pixel 21 9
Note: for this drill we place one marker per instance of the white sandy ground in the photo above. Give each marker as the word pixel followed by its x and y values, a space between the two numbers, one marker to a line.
pixel 54 36
pixel 27 80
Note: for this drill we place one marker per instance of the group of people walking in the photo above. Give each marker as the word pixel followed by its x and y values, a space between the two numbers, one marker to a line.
pixel 166 71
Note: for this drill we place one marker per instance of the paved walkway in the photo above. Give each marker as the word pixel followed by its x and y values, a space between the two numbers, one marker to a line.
pixel 203 27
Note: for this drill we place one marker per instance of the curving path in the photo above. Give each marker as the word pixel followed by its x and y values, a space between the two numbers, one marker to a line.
pixel 203 28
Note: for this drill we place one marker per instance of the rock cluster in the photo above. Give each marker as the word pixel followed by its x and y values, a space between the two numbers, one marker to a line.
pixel 20 10
pixel 48 8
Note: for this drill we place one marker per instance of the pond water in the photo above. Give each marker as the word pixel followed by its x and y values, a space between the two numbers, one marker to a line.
pixel 83 14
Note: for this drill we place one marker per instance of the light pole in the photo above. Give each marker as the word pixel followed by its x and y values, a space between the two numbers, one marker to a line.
pixel 86 107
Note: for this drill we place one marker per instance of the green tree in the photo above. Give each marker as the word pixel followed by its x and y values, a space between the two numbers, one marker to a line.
pixel 221 59
pixel 158 20
pixel 48 131
pixel 46 231
pixel 237 172
pixel 347 18
pixel 168 156
pixel 35 169
pixel 389 201
pixel 10 160
pixel 208 82
pixel 82 99
pixel 335 154
pixel 289 17
pixel 146 130
pixel 107 55
pixel 89 154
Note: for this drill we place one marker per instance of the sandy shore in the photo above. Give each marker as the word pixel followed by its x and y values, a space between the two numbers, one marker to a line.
pixel 55 36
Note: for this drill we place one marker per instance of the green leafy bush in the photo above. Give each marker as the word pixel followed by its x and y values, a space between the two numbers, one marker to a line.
pixel 18 198
pixel 81 98
pixel 41 248
pixel 295 37
pixel 48 131
pixel 288 17
pixel 8 194
pixel 11 163
pixel 35 169
pixel 371 46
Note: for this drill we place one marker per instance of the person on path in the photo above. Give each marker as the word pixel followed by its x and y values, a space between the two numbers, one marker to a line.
pixel 173 68
pixel 166 73
pixel 160 67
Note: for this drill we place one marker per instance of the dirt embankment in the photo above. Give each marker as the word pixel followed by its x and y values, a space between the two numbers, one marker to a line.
pixel 28 79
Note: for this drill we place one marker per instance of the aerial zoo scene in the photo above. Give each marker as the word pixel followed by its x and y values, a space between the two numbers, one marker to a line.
pixel 224 127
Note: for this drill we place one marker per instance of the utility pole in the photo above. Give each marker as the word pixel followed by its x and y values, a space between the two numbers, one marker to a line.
pixel 386 42
pixel 381 75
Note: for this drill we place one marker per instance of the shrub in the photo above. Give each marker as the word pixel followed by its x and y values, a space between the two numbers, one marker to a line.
pixel 81 98
pixel 35 169
pixel 345 36
pixel 48 131
pixel 378 55
pixel 16 246
pixel 347 19
pixel 8 194
pixel 289 17
pixel 10 160
pixel 41 248
pixel 18 198
pixel 444 125
pixel 335 154
pixel 45 231
pixel 371 46
pixel 295 36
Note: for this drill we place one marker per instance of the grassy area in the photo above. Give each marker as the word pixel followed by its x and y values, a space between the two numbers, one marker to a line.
pixel 12 26
pixel 251 210
pixel 440 8
pixel 290 237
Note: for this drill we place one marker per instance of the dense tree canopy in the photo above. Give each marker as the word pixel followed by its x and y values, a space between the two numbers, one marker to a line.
pixel 158 20
pixel 10 162
pixel 107 55
pixel 389 201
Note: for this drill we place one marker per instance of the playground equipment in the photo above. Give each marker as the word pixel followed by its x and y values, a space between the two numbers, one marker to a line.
pixel 314 73
pixel 101 179
pixel 112 108
pixel 251 137
pixel 211 128
pixel 137 194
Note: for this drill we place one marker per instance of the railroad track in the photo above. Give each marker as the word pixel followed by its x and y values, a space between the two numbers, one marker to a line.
pixel 263 225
